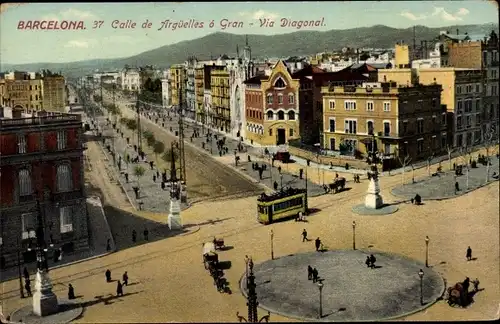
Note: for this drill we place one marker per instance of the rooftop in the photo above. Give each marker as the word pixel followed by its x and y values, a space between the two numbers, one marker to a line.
pixel 10 118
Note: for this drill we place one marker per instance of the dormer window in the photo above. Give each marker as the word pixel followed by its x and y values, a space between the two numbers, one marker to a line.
pixel 280 83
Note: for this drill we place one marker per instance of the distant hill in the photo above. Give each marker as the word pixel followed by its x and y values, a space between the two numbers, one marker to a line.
pixel 297 44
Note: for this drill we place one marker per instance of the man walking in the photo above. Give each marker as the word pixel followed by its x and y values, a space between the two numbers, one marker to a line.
pixel 318 244
pixel 468 255
pixel 119 289
pixel 304 235
pixel 125 278
pixel 309 272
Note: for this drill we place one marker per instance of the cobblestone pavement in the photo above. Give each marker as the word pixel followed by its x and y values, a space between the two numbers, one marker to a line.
pixel 351 291
pixel 443 186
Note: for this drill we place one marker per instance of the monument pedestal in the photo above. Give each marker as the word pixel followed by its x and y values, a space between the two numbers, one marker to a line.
pixel 174 215
pixel 373 198
pixel 44 300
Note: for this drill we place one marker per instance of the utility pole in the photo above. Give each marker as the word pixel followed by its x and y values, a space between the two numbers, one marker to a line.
pixel 182 158
pixel 139 139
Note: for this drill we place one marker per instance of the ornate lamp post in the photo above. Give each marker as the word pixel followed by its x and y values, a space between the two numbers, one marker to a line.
pixel 427 251
pixel 252 302
pixel 354 235
pixel 272 245
pixel 421 275
pixel 320 286
pixel 174 217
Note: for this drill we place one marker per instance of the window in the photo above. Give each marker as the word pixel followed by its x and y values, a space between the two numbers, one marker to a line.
pixel 434 102
pixel 291 115
pixel 332 125
pixel 291 132
pixel 493 90
pixel 387 149
pixel 270 115
pixel 478 105
pixel 443 140
pixel 387 128
pixel 25 187
pixel 478 87
pixel 420 126
pixel 21 143
pixel 31 97
pixel 269 99
pixel 420 145
pixel 279 83
pixel 350 105
pixel 291 98
pixel 459 108
pixel 459 89
pixel 64 181
pixel 65 214
pixel 468 105
pixel 478 119
pixel 61 140
pixel 31 88
pixel 280 98
pixel 468 121
pixel 369 127
pixel 331 103
pixel 387 106
pixel 459 122
pixel 270 132
pixel 28 225
pixel 350 126
pixel 281 115
pixel 369 105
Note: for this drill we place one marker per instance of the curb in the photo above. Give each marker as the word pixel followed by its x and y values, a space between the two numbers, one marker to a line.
pixel 107 225
pixel 306 319
pixel 441 198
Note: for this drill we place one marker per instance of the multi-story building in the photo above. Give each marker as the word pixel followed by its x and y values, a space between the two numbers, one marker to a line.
pixel 271 107
pixel 130 79
pixel 199 89
pixel 461 96
pixel 310 98
pixel 42 159
pixel 482 55
pixel 190 109
pixel 166 92
pixel 25 93
pixel 54 93
pixel 207 112
pixel 219 84
pixel 177 83
pixel 383 117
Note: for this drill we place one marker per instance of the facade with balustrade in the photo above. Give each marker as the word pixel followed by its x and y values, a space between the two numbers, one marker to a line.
pixel 384 117
pixel 42 159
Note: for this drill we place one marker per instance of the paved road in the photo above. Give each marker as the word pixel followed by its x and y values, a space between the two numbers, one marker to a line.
pixel 443 187
pixel 206 178
pixel 351 291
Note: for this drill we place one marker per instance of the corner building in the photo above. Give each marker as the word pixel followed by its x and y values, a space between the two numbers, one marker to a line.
pixel 271 107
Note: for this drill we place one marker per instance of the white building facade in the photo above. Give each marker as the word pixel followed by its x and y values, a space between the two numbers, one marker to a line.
pixel 207 103
pixel 130 80
pixel 166 91
pixel 190 108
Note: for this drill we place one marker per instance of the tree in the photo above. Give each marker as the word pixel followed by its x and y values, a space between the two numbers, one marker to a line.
pixel 167 155
pixel 488 143
pixel 466 156
pixel 404 161
pixel 449 150
pixel 158 148
pixel 139 172
pixel 429 160
pixel 131 124
pixel 151 140
pixel 148 85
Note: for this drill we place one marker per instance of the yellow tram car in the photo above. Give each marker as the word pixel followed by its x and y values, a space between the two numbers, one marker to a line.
pixel 281 205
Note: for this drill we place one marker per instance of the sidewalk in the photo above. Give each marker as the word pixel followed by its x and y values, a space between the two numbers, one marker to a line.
pixel 100 233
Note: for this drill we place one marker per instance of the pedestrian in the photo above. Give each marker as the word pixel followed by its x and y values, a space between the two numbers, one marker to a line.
pixel 125 278
pixel 26 273
pixel 108 245
pixel 27 286
pixel 336 175
pixel 154 178
pixel 304 235
pixel 468 255
pixel 457 188
pixel 279 169
pixel 134 236
pixel 119 289
pixel 372 261
pixel 275 185
pixel 309 272
pixel 71 292
pixel 301 173
pixel 315 275
pixel 475 282
pixel 317 243
pixel 308 162
pixel 146 234
pixel 108 275
pixel 126 177
pixel 368 262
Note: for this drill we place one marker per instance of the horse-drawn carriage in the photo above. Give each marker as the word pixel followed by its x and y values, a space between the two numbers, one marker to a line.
pixel 337 185
pixel 219 243
pixel 210 257
pixel 458 295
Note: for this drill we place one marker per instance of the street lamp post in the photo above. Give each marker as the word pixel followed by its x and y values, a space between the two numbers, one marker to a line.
pixel 354 235
pixel 272 245
pixel 320 286
pixel 427 251
pixel 21 290
pixel 421 275
pixel 246 268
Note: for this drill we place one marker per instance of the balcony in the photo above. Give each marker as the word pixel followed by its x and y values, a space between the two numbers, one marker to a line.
pixel 67 195
pixel 388 135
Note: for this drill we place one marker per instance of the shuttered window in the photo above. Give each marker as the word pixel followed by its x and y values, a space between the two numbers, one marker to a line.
pixel 64 181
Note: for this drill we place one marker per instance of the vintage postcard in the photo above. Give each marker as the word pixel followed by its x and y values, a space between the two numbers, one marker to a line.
pixel 249 162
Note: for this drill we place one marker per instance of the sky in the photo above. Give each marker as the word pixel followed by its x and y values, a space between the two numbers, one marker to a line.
pixel 18 46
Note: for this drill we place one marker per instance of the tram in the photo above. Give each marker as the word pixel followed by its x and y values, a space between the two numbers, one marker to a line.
pixel 281 205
